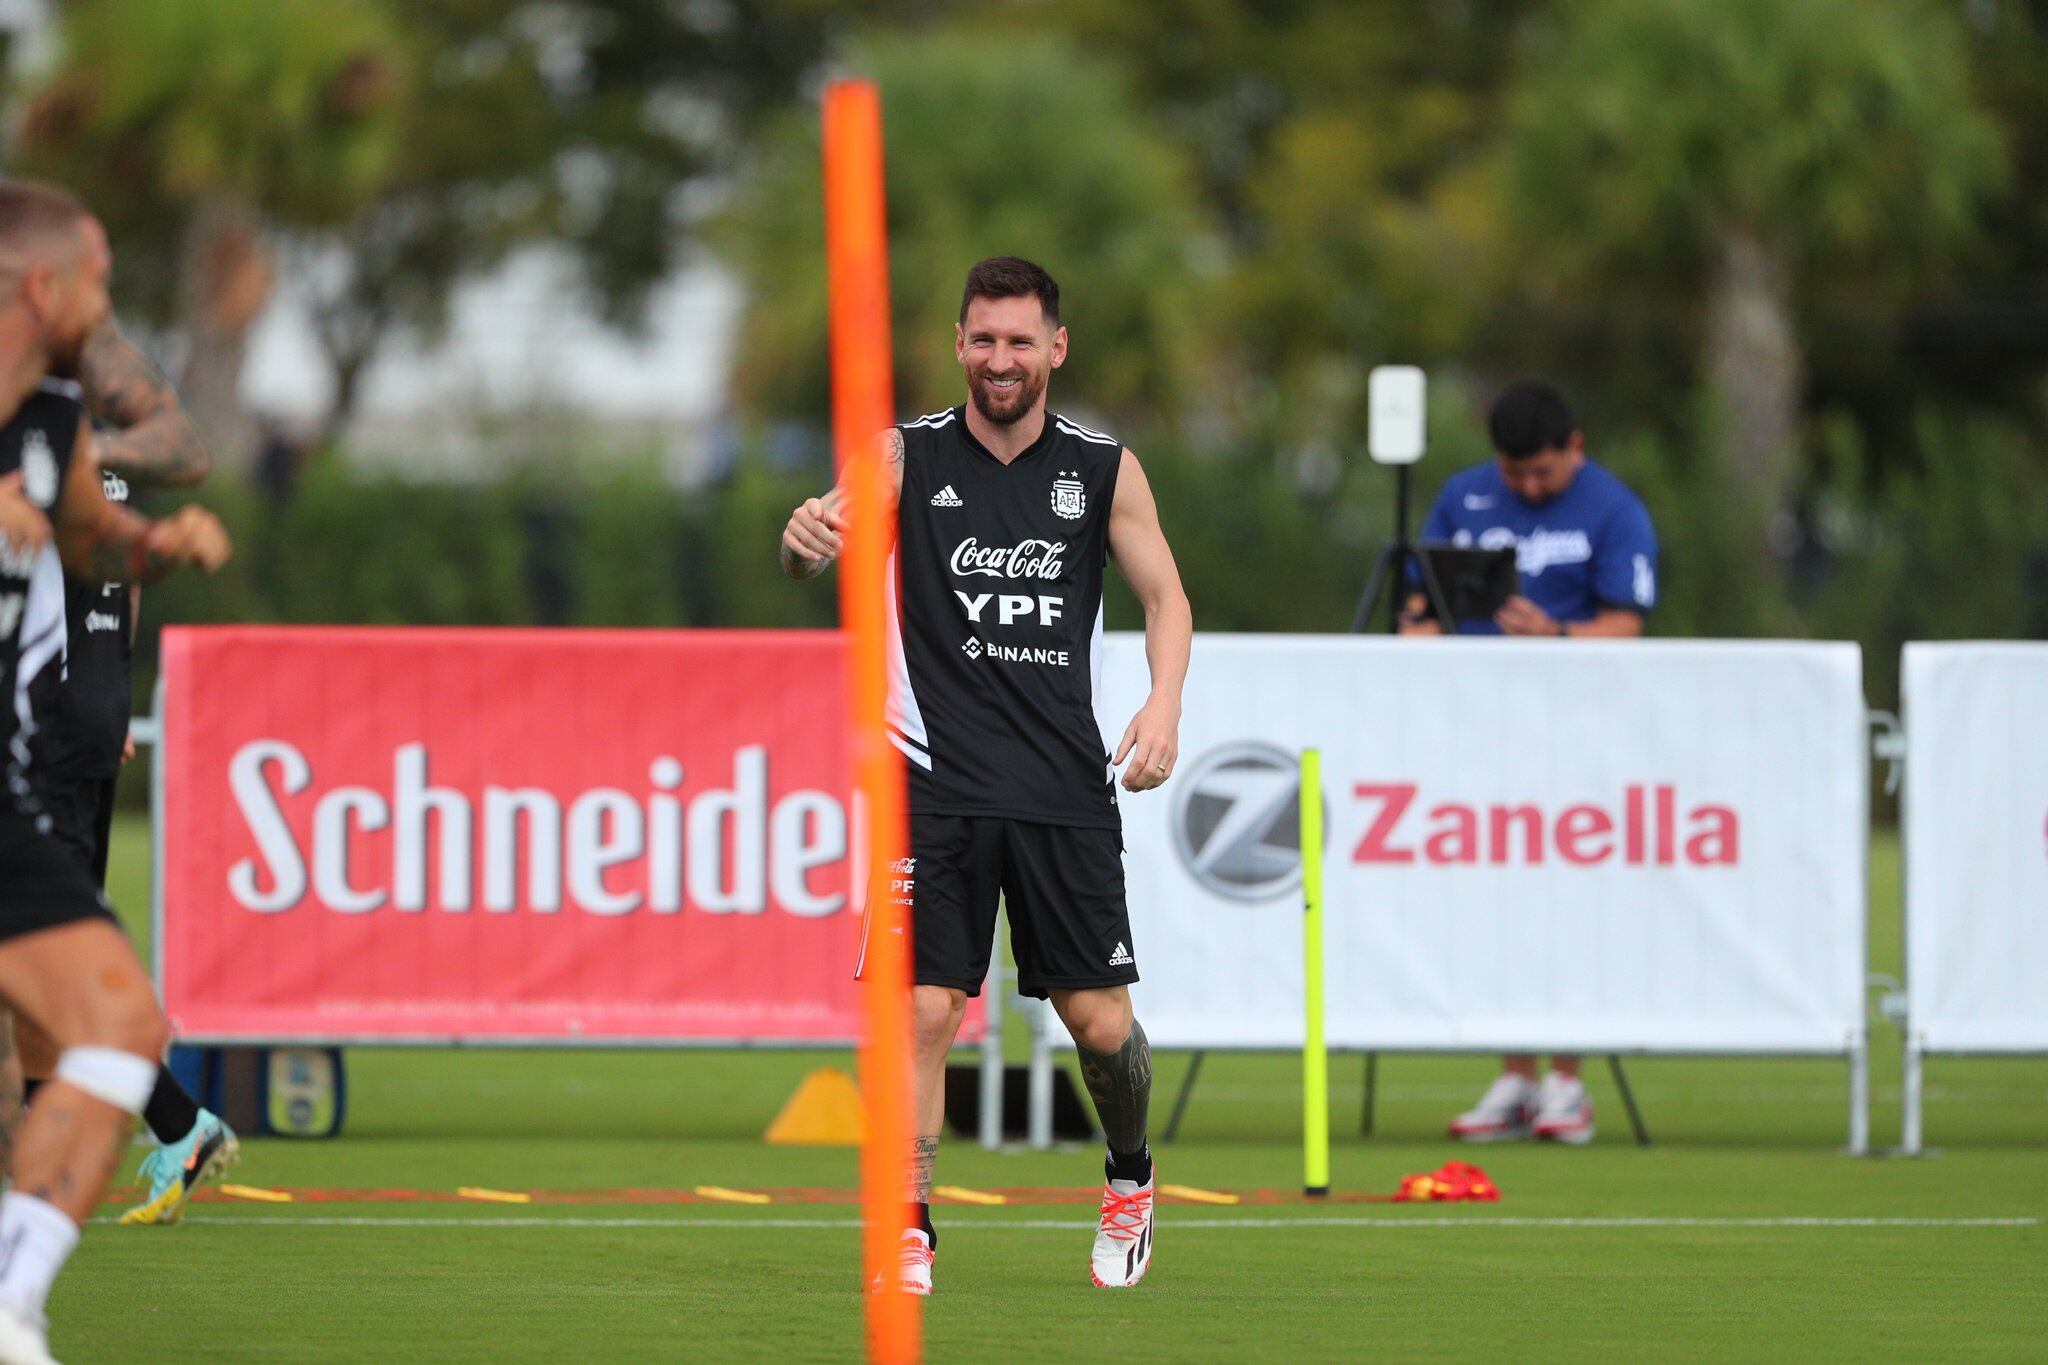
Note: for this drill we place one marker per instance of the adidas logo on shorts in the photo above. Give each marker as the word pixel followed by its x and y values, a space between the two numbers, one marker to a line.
pixel 946 497
pixel 1121 957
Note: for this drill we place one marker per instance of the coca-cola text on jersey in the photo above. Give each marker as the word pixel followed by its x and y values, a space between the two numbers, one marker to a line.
pixel 1026 559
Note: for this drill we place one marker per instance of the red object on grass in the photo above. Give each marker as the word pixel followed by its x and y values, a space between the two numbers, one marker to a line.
pixel 1454 1182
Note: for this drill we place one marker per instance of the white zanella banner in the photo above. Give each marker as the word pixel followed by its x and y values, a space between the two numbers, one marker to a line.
pixel 1976 836
pixel 1653 845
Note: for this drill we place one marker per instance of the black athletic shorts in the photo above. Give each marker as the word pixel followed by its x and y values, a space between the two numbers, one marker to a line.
pixel 1063 886
pixel 42 883
pixel 81 810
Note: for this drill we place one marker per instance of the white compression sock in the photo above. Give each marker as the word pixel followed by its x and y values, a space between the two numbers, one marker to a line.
pixel 35 1241
pixel 108 1074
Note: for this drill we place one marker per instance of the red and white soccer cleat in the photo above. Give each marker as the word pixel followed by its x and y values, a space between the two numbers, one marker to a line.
pixel 1503 1113
pixel 1123 1239
pixel 1564 1111
pixel 914 1263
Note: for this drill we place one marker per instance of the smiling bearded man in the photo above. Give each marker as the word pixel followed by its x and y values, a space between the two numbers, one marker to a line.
pixel 1006 516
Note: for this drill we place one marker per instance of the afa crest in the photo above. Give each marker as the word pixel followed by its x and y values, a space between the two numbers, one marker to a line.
pixel 38 469
pixel 1069 496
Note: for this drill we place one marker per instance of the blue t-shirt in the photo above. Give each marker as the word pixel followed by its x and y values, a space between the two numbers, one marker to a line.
pixel 1590 547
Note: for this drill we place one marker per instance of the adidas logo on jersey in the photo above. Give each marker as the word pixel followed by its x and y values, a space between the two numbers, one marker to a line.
pixel 946 497
pixel 1121 957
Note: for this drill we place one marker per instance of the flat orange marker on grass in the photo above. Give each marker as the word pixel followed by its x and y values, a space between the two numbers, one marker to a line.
pixel 493 1196
pixel 725 1196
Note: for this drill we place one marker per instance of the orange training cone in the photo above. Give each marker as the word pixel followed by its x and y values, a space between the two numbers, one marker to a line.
pixel 825 1111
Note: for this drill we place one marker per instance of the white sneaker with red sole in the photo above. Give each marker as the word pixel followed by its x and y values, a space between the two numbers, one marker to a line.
pixel 914 1257
pixel 1564 1111
pixel 1123 1239
pixel 1504 1113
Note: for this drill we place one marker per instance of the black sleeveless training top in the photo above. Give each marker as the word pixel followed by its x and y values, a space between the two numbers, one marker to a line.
pixel 996 637
pixel 85 734
pixel 38 443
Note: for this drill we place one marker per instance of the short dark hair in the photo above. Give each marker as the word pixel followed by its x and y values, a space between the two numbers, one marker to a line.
pixel 1529 417
pixel 33 208
pixel 1011 277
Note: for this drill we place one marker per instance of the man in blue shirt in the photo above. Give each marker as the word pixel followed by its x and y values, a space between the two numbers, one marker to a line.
pixel 1582 538
pixel 1588 560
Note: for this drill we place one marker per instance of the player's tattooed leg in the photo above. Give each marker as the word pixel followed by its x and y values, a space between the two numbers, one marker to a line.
pixel 924 1153
pixel 1120 1083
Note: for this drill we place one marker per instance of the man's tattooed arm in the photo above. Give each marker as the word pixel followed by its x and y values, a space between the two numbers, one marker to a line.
pixel 104 542
pixel 120 552
pixel 800 566
pixel 132 549
pixel 812 539
pixel 152 440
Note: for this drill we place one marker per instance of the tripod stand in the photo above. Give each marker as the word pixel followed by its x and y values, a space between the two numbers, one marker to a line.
pixel 1391 569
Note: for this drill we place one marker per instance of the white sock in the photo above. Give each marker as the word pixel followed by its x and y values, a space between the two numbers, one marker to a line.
pixel 36 1239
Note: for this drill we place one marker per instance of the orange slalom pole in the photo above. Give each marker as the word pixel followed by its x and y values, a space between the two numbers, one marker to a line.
pixel 857 259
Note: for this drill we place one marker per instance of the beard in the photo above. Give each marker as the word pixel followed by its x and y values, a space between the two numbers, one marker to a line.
pixel 1004 408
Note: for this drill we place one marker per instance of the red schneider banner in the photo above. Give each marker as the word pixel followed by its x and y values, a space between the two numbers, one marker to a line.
pixel 506 836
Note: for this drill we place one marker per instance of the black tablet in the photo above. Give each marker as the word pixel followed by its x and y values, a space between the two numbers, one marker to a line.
pixel 1476 583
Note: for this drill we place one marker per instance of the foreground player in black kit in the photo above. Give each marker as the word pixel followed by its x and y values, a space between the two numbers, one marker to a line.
pixel 145 440
pixel 64 964
pixel 1006 516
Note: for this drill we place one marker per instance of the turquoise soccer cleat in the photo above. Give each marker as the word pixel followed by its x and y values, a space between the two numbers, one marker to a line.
pixel 174 1171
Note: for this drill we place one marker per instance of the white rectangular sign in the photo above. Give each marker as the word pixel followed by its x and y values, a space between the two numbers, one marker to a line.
pixel 1976 837
pixel 1654 845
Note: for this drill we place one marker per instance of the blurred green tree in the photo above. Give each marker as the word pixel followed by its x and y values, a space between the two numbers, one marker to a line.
pixel 601 126
pixel 1982 336
pixel 195 129
pixel 393 150
pixel 1418 81
pixel 1022 146
pixel 1345 146
pixel 1744 155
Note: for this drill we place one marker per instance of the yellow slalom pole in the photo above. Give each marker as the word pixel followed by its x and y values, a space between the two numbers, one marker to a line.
pixel 1315 1052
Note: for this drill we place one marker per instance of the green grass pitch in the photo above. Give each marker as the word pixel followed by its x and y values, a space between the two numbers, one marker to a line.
pixel 1691 1249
